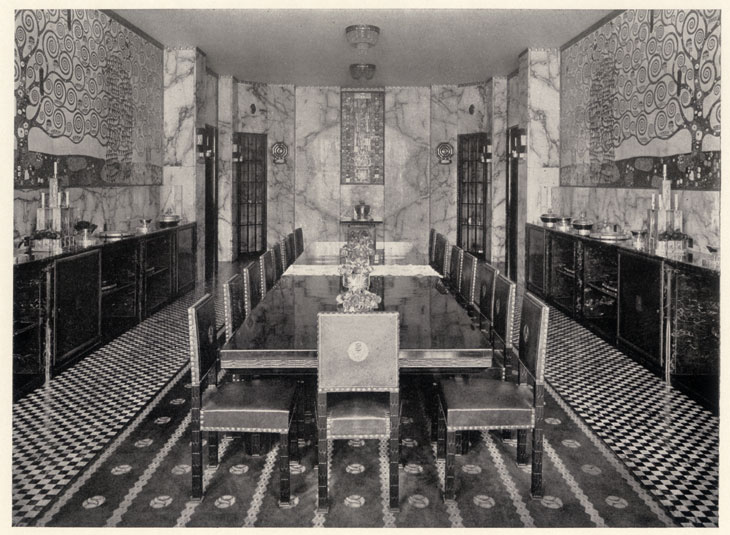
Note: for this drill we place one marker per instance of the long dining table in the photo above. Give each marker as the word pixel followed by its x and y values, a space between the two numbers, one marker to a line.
pixel 437 333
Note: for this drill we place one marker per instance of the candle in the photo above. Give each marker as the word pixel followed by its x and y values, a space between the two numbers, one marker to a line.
pixel 66 192
pixel 664 171
pixel 653 201
pixel 43 200
pixel 55 169
pixel 59 200
pixel 676 201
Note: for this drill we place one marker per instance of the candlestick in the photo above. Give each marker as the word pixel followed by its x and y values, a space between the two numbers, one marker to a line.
pixel 653 201
pixel 664 171
pixel 66 192
pixel 43 200
pixel 59 198
pixel 55 169
pixel 676 201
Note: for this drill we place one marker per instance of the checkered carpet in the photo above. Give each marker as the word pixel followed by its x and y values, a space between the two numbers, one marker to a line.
pixel 665 440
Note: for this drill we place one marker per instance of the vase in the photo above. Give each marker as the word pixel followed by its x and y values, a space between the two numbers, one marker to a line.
pixel 357 281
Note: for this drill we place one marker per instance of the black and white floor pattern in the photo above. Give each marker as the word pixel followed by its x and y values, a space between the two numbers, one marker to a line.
pixel 667 441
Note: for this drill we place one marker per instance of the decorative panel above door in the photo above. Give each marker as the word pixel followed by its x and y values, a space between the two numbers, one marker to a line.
pixel 362 134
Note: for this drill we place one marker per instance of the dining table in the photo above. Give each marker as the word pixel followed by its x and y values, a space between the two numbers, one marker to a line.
pixel 437 333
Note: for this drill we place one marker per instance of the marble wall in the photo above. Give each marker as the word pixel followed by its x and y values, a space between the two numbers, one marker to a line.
pixel 472 110
pixel 497 114
pixel 407 132
pixel 444 128
pixel 317 188
pixel 227 110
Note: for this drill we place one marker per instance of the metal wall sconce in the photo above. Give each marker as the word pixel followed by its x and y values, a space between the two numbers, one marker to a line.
pixel 486 154
pixel 444 152
pixel 279 152
pixel 201 142
pixel 522 147
pixel 235 152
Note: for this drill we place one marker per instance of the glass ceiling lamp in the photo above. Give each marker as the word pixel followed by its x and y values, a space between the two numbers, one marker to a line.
pixel 362 36
pixel 362 70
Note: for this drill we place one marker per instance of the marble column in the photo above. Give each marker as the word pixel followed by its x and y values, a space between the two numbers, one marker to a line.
pixel 227 110
pixel 407 132
pixel 280 103
pixel 498 132
pixel 443 190
pixel 317 188
pixel 522 115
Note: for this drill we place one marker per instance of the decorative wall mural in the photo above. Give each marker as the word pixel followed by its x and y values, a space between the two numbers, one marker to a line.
pixel 88 94
pixel 643 91
pixel 363 123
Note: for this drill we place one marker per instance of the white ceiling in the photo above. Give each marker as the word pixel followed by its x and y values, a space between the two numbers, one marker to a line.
pixel 418 47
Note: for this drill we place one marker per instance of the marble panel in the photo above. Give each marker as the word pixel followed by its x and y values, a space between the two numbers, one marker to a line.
pixel 498 129
pixel 543 129
pixel 513 95
pixel 252 108
pixel 443 191
pixel 117 208
pixel 317 188
pixel 226 106
pixel 522 178
pixel 542 181
pixel 179 106
pixel 208 104
pixel 280 106
pixel 407 132
pixel 373 194
pixel 472 109
pixel 183 177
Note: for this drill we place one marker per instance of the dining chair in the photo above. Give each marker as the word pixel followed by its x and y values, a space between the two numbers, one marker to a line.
pixel 234 310
pixel 298 241
pixel 292 244
pixel 265 405
pixel 431 245
pixel 279 267
pixel 485 278
pixel 477 402
pixel 268 275
pixel 287 252
pixel 468 272
pixel 439 258
pixel 251 285
pixel 357 387
pixel 454 275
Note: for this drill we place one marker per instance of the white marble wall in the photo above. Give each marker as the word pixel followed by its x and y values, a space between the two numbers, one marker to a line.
pixel 407 131
pixel 628 208
pixel 280 104
pixel 513 100
pixel 472 95
pixel 521 112
pixel 117 208
pixel 444 128
pixel 497 114
pixel 317 189
pixel 227 110
pixel 208 111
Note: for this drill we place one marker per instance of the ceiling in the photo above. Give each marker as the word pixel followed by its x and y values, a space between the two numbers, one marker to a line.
pixel 417 47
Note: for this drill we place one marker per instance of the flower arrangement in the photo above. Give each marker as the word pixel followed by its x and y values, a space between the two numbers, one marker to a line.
pixel 356 255
pixel 359 300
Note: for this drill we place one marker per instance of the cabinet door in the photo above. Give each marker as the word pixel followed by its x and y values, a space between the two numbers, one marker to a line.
pixel 157 272
pixel 536 260
pixel 77 305
pixel 640 307
pixel 185 259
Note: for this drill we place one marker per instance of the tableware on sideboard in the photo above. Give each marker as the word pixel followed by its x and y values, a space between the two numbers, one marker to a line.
pixel 168 220
pixel 362 211
pixel 563 223
pixel 145 228
pixel 549 219
pixel 583 225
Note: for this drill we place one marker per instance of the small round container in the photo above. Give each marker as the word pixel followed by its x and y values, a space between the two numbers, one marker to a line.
pixel 168 220
pixel 583 225
pixel 563 223
pixel 549 219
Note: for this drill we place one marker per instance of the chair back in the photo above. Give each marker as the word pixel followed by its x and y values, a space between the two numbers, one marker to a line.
pixel 457 256
pixel 504 309
pixel 233 300
pixel 268 275
pixel 357 352
pixel 533 336
pixel 431 245
pixel 203 343
pixel 468 271
pixel 439 258
pixel 486 277
pixel 298 241
pixel 288 251
pixel 251 285
pixel 278 261
pixel 292 244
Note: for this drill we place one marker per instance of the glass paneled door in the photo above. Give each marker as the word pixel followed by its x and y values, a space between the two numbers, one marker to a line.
pixel 474 195
pixel 250 175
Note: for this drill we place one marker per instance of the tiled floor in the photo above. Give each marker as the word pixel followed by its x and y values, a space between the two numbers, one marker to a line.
pixel 667 441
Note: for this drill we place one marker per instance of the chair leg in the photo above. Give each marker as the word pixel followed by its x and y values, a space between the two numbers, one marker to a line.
pixel 284 475
pixel 522 446
pixel 213 448
pixel 293 436
pixel 394 450
pixel 449 483
pixel 255 444
pixel 441 442
pixel 322 453
pixel 536 489
pixel 459 442
pixel 434 411
pixel 506 434
pixel 196 450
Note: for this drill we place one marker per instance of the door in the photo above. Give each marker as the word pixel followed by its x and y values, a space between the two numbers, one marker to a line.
pixel 513 140
pixel 250 176
pixel 474 196
pixel 211 201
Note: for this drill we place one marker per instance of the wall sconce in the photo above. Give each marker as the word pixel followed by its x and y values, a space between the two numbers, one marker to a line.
pixel 486 153
pixel 235 152
pixel 522 146
pixel 279 151
pixel 444 152
pixel 200 141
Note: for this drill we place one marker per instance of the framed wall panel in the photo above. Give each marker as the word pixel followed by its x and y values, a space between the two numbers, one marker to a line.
pixel 362 137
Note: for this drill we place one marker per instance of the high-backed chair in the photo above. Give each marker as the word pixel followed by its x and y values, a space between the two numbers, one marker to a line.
pixel 439 258
pixel 251 285
pixel 266 405
pixel 357 390
pixel 292 245
pixel 268 274
pixel 298 241
pixel 288 251
pixel 485 279
pixel 279 267
pixel 234 309
pixel 482 403
pixel 468 278
pixel 431 245
pixel 454 275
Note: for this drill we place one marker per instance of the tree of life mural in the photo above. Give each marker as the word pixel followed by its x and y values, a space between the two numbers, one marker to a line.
pixel 88 96
pixel 641 92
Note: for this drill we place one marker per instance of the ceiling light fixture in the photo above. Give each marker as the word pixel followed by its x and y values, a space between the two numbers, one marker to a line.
pixel 362 36
pixel 362 70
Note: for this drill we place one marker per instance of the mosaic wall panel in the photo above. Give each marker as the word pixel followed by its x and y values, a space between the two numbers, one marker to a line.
pixel 88 94
pixel 362 137
pixel 643 91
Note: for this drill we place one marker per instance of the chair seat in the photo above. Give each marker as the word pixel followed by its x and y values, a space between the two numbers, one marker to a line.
pixel 260 405
pixel 358 415
pixel 483 403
